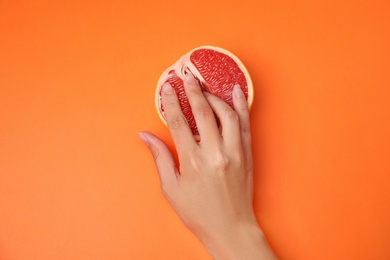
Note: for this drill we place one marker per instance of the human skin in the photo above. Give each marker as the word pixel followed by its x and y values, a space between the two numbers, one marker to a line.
pixel 211 189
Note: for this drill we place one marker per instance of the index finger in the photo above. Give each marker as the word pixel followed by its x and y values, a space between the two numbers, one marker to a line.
pixel 176 121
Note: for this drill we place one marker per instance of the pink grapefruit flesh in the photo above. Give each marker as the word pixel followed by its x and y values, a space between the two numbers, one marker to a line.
pixel 217 71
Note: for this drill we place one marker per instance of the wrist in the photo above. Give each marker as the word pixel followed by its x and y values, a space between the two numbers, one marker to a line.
pixel 245 241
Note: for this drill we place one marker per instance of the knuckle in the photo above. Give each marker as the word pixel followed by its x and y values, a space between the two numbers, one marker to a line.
pixel 193 91
pixel 177 122
pixel 232 115
pixel 155 152
pixel 195 164
pixel 169 104
pixel 221 162
pixel 237 158
pixel 204 111
pixel 245 127
pixel 242 106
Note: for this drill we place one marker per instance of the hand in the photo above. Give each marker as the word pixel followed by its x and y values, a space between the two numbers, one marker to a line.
pixel 212 191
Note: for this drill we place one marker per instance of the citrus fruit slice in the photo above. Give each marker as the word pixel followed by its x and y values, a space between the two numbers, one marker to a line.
pixel 217 71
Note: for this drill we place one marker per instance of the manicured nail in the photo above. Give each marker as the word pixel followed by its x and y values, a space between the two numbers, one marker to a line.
pixel 167 88
pixel 207 94
pixel 189 78
pixel 143 138
pixel 238 91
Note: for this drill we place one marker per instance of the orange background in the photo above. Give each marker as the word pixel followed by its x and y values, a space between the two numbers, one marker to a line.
pixel 77 81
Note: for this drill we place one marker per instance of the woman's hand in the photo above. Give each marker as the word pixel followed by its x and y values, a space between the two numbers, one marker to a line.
pixel 212 189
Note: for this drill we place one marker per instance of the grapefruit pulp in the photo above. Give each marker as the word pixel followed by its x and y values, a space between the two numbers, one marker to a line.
pixel 217 71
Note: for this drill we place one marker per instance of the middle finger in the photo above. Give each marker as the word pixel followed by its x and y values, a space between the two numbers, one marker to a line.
pixel 203 113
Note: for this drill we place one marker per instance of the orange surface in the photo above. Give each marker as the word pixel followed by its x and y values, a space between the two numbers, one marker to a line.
pixel 77 81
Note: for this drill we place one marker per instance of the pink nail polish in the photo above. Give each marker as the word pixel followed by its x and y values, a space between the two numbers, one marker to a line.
pixel 189 78
pixel 167 88
pixel 143 138
pixel 237 91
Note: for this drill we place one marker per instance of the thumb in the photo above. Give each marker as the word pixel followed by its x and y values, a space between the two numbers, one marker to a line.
pixel 163 159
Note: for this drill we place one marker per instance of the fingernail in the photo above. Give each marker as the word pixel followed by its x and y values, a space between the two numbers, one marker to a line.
pixel 167 88
pixel 143 138
pixel 206 93
pixel 189 78
pixel 237 91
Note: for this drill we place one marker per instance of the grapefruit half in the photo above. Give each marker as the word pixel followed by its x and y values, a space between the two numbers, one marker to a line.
pixel 217 71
